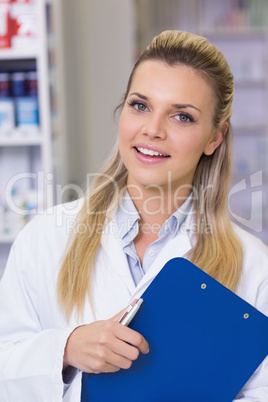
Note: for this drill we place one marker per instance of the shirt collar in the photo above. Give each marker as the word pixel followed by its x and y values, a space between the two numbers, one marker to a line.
pixel 127 215
pixel 127 218
pixel 174 222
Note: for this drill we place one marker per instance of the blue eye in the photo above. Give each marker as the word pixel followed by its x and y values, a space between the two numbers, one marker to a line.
pixel 183 117
pixel 138 105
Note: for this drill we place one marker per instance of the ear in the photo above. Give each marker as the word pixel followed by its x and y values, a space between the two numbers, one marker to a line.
pixel 216 139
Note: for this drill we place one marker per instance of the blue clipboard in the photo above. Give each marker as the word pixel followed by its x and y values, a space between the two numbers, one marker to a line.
pixel 205 343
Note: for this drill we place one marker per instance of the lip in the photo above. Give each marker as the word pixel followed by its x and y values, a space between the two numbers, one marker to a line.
pixel 146 159
pixel 151 148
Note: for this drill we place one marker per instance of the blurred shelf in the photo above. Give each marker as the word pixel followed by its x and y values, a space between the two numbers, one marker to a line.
pixel 248 129
pixel 229 33
pixel 27 53
pixel 21 140
pixel 251 83
pixel 26 148
pixel 7 238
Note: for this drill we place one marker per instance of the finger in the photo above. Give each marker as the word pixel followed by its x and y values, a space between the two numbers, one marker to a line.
pixel 106 360
pixel 125 349
pixel 119 315
pixel 117 360
pixel 108 368
pixel 109 340
pixel 132 337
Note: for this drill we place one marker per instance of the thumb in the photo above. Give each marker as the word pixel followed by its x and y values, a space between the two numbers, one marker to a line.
pixel 117 317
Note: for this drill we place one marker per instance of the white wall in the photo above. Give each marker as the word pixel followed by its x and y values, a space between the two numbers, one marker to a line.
pixel 98 39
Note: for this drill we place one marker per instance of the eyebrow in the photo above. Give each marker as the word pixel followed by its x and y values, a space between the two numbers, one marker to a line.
pixel 175 105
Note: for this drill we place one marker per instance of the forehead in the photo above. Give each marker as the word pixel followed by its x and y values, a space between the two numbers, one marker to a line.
pixel 178 79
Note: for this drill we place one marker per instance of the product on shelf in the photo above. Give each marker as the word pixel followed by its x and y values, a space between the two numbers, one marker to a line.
pixel 24 25
pixel 236 15
pixel 4 85
pixel 7 120
pixel 23 1
pixel 27 112
pixel 31 83
pixel 18 101
pixel 14 217
pixel 18 23
pixel 18 84
pixel 5 34
pixel 23 83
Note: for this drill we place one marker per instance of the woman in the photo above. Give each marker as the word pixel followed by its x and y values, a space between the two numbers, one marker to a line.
pixel 162 194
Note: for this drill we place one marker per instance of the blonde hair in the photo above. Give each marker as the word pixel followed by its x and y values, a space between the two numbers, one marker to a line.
pixel 218 252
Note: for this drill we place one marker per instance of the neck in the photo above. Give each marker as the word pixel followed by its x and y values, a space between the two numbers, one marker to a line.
pixel 155 204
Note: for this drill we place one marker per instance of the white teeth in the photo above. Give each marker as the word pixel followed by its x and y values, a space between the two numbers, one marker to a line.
pixel 149 152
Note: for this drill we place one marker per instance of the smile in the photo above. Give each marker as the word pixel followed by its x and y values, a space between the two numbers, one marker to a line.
pixel 150 152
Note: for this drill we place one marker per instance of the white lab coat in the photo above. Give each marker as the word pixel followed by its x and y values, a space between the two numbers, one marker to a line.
pixel 33 331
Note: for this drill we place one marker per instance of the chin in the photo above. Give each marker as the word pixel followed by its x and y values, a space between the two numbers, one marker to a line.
pixel 148 181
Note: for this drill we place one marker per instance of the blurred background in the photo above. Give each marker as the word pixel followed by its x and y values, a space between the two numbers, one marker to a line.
pixel 64 67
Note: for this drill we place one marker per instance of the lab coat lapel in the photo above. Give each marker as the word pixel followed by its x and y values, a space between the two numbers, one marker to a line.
pixel 112 247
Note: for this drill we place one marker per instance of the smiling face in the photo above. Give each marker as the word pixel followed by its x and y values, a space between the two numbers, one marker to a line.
pixel 166 125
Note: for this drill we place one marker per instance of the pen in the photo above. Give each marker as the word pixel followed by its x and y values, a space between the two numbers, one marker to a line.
pixel 130 313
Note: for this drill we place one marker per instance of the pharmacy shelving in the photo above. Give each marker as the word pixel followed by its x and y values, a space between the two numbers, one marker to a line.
pixel 58 88
pixel 25 149
pixel 18 54
pixel 239 29
pixel 21 140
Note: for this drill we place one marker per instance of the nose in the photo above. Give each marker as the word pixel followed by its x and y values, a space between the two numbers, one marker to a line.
pixel 154 126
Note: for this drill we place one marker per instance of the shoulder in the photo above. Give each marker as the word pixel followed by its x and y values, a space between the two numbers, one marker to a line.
pixel 39 247
pixel 50 227
pixel 253 286
pixel 254 249
pixel 56 216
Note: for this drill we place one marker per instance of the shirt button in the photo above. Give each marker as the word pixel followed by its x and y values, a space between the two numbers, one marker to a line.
pixel 166 228
pixel 151 253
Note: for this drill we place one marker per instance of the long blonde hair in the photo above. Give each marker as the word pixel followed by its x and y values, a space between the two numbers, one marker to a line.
pixel 218 252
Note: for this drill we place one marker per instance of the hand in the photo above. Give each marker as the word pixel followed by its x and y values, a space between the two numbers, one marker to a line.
pixel 103 346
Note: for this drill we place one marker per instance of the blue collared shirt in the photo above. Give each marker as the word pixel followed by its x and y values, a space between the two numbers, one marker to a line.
pixel 128 225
